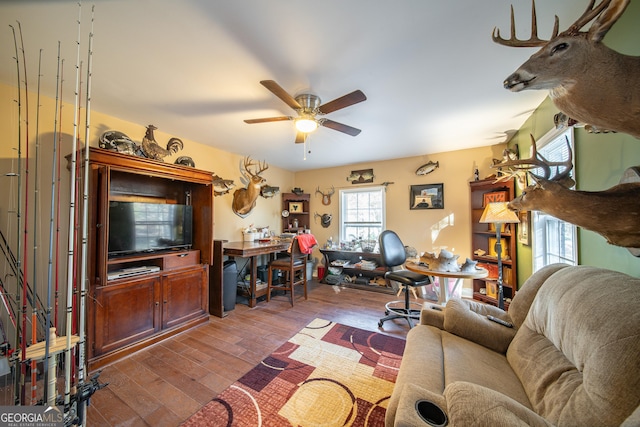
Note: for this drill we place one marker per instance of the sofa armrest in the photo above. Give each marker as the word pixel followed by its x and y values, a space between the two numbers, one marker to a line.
pixel 474 405
pixel 406 414
pixel 432 314
pixel 468 319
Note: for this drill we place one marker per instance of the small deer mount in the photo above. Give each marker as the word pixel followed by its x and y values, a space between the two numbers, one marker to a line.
pixel 325 219
pixel 326 198
pixel 244 199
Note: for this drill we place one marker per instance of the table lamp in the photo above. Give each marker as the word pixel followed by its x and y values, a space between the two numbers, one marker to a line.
pixel 498 213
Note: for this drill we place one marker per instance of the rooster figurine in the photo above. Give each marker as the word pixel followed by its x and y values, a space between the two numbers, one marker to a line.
pixel 154 151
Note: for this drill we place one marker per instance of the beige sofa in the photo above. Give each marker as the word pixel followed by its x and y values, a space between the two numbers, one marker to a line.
pixel 572 357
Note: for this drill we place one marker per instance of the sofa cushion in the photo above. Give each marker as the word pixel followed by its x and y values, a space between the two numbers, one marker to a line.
pixel 519 307
pixel 576 354
pixel 465 360
pixel 468 319
pixel 473 405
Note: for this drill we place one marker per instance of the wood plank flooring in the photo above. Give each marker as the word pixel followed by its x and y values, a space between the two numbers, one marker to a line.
pixel 165 384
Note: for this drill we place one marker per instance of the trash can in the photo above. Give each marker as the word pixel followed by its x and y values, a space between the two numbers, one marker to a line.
pixel 229 285
pixel 263 273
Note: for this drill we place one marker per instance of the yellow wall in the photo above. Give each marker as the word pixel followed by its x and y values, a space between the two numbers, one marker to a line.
pixel 426 230
pixel 224 164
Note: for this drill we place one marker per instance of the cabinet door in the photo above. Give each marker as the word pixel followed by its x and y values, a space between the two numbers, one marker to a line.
pixel 126 313
pixel 184 295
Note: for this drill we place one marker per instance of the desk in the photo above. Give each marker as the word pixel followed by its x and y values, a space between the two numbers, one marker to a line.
pixel 443 295
pixel 251 250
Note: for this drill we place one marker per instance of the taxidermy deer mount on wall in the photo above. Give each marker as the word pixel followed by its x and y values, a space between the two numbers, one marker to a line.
pixel 326 197
pixel 613 213
pixel 587 80
pixel 244 199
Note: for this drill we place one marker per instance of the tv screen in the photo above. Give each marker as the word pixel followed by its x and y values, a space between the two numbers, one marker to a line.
pixel 136 227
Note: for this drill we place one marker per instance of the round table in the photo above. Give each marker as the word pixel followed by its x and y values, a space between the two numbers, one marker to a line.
pixel 443 295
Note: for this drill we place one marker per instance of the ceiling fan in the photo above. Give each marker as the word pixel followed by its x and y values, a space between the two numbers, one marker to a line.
pixel 308 107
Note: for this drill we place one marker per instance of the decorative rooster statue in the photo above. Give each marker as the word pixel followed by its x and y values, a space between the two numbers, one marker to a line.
pixel 154 151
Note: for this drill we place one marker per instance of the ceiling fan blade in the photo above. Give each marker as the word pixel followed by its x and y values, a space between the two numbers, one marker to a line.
pixel 278 91
pixel 301 137
pixel 269 119
pixel 341 127
pixel 343 102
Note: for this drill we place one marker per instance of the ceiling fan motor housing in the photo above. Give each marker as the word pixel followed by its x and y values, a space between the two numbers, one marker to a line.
pixel 308 101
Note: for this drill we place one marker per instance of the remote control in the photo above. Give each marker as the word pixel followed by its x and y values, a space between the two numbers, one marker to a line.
pixel 500 321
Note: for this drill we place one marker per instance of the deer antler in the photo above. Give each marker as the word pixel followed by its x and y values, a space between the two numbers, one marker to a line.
pixel 536 161
pixel 586 17
pixel 533 41
pixel 262 166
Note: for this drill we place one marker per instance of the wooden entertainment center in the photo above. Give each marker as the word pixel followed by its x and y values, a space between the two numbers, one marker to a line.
pixel 136 300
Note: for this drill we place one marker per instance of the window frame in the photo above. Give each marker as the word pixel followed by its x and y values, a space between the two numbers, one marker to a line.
pixel 342 209
pixel 543 225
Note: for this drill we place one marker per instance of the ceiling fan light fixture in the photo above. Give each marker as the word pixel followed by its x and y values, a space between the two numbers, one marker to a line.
pixel 306 124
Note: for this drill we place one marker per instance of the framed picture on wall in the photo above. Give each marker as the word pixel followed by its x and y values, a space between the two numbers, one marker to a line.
pixel 295 207
pixel 429 196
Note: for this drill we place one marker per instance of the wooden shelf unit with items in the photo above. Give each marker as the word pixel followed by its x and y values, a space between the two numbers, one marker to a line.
pixel 140 297
pixel 295 212
pixel 360 270
pixel 483 237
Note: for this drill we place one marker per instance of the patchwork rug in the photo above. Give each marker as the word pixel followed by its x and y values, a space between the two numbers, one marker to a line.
pixel 328 374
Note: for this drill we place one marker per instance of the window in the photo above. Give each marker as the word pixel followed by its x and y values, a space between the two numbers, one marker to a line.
pixel 362 215
pixel 554 240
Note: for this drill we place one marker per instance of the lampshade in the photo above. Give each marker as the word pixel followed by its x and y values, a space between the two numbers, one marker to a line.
pixel 498 213
pixel 306 125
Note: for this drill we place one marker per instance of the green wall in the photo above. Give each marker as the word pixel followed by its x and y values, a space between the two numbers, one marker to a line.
pixel 600 160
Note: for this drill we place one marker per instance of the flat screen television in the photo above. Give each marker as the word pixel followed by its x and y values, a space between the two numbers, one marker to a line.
pixel 139 227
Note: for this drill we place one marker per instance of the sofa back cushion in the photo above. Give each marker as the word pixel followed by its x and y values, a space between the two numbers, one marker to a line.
pixel 577 353
pixel 519 307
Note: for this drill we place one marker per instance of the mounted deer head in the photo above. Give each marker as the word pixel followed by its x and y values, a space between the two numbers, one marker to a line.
pixel 326 198
pixel 612 213
pixel 519 169
pixel 587 80
pixel 244 199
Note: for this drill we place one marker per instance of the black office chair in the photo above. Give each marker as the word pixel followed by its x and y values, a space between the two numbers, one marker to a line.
pixel 393 255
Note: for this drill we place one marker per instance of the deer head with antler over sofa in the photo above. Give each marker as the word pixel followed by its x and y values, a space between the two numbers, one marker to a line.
pixel 587 80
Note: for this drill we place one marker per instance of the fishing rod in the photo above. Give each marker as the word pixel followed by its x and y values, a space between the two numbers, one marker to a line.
pixel 25 254
pixel 72 209
pixel 58 206
pixel 17 364
pixel 85 221
pixel 36 196
pixel 47 395
pixel 32 297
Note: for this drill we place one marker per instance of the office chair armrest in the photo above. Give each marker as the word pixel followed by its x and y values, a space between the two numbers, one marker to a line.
pixel 468 319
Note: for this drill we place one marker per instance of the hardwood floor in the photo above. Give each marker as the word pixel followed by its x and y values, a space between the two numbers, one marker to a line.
pixel 165 384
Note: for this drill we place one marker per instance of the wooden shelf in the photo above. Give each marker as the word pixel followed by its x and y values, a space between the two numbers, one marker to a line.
pixel 302 216
pixel 481 234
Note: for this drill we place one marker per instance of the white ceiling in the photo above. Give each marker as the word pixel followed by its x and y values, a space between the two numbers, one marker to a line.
pixel 431 73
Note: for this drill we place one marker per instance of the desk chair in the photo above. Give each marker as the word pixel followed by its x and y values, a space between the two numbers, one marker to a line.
pixel 294 268
pixel 393 255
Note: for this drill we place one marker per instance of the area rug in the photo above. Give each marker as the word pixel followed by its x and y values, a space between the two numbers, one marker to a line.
pixel 328 374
